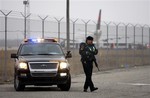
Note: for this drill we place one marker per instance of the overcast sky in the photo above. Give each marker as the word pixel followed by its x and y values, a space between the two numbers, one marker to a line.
pixel 133 11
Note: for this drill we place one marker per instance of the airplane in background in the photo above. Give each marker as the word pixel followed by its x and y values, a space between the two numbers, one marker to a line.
pixel 96 34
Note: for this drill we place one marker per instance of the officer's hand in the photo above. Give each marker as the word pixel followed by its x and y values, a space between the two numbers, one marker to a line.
pixel 95 51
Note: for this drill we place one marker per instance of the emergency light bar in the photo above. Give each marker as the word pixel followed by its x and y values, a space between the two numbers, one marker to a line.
pixel 39 40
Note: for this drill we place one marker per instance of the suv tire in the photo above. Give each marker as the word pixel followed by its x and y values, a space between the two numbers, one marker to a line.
pixel 18 85
pixel 66 86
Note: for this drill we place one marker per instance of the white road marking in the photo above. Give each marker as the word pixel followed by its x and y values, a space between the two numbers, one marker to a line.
pixel 136 84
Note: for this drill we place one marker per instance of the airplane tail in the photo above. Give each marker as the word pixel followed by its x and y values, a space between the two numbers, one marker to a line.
pixel 98 31
pixel 99 21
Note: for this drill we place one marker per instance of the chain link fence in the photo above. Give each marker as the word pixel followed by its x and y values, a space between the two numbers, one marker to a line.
pixel 121 45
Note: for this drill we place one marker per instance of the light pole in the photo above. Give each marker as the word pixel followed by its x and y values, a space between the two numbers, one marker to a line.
pixel 25 2
pixel 68 24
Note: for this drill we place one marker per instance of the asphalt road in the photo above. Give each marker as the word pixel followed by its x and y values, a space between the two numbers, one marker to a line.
pixel 119 83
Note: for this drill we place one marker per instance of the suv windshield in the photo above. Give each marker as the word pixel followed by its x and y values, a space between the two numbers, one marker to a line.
pixel 41 49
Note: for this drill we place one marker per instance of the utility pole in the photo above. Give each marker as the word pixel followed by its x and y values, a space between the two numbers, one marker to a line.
pixel 68 25
pixel 28 20
pixel 26 12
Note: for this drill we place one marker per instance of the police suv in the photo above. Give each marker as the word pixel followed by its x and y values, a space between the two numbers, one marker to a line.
pixel 41 62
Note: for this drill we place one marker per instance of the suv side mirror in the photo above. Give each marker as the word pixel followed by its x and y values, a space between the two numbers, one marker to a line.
pixel 68 54
pixel 14 55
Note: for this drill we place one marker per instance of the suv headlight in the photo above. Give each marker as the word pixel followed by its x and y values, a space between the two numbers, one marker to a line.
pixel 63 65
pixel 22 65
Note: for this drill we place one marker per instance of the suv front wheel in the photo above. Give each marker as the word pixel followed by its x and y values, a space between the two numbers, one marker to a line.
pixel 66 86
pixel 18 85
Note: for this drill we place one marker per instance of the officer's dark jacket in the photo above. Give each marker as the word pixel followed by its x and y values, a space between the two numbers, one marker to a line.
pixel 87 52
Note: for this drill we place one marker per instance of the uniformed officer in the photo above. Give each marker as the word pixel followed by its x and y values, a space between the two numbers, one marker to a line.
pixel 88 51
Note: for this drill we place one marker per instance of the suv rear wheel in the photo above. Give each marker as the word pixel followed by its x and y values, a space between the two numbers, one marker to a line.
pixel 66 86
pixel 18 85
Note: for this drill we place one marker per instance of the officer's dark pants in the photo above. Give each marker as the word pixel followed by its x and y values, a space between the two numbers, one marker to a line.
pixel 88 67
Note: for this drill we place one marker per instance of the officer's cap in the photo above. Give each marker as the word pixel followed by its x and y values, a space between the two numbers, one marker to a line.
pixel 89 38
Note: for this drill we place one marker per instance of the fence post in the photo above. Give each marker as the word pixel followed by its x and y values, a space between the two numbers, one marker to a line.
pixel 149 42
pixel 43 21
pixel 25 24
pixel 117 25
pixel 5 62
pixel 134 39
pixel 134 42
pixel 143 53
pixel 58 20
pixel 107 25
pixel 74 30
pixel 86 22
pixel 126 41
